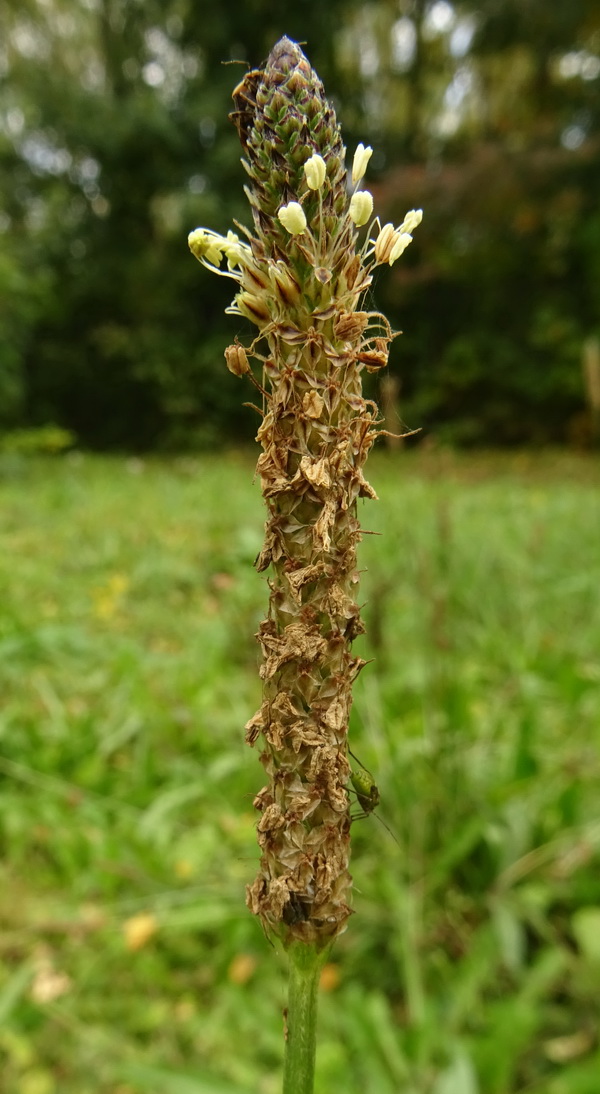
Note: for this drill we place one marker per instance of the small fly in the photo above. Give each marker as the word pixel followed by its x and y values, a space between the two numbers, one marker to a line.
pixel 244 99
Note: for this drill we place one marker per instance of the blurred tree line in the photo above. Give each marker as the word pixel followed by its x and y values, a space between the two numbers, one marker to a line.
pixel 114 143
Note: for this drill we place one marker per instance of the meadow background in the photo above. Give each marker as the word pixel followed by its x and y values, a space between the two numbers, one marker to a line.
pixel 128 962
pixel 129 522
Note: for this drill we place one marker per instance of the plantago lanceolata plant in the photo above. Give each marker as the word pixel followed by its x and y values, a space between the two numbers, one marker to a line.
pixel 301 275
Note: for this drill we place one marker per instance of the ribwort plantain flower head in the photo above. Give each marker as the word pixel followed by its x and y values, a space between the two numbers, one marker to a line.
pixel 300 275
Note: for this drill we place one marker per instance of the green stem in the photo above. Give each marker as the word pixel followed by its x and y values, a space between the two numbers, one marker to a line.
pixel 306 963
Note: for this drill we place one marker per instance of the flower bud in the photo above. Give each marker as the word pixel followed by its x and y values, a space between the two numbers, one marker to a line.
pixel 285 285
pixel 254 278
pixel 401 241
pixel 411 221
pixel 236 359
pixel 361 207
pixel 315 170
pixel 251 305
pixel 359 164
pixel 292 217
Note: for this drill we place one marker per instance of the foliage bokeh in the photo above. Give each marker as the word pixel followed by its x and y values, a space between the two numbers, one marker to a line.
pixel 114 143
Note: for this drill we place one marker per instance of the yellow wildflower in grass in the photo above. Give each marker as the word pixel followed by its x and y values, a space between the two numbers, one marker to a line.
pixel 139 929
pixel 108 598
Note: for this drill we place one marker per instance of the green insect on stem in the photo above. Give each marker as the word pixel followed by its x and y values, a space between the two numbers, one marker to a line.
pixel 367 793
pixel 366 790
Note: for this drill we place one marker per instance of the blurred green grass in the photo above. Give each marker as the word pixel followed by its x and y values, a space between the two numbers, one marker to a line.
pixel 128 962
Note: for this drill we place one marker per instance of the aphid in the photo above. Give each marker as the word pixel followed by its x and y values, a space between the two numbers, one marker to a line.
pixel 365 788
pixel 367 793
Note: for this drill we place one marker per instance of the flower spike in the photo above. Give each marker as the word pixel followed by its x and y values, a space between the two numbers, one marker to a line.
pixel 300 279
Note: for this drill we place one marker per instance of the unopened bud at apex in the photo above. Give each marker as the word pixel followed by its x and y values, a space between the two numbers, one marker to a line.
pixel 361 207
pixel 292 217
pixel 360 162
pixel 236 359
pixel 315 170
